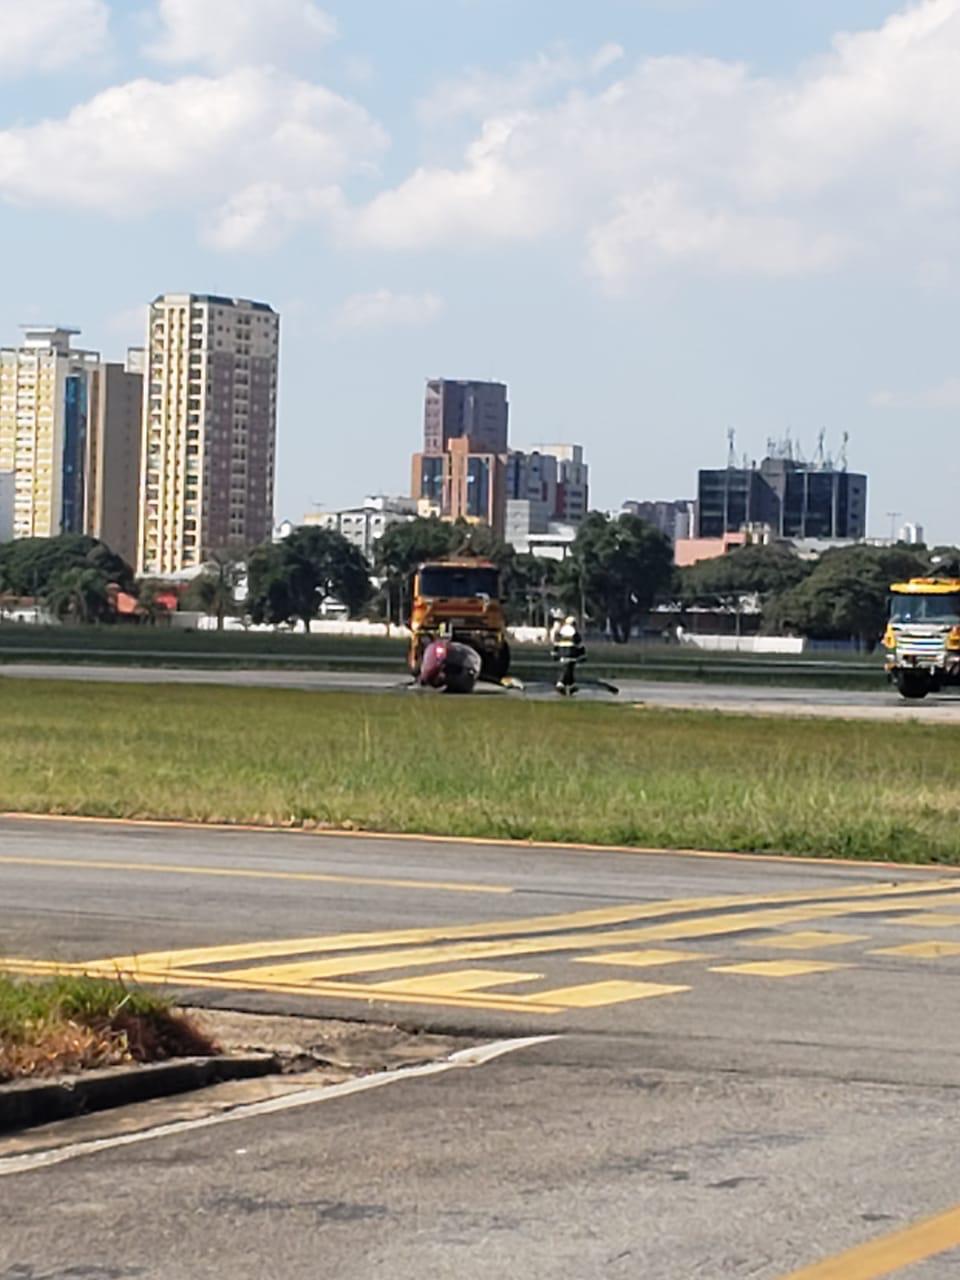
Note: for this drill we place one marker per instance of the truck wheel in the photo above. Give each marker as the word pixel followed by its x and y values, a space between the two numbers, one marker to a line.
pixel 913 684
pixel 498 664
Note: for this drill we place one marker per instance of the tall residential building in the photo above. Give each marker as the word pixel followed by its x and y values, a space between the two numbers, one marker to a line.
pixel 209 429
pixel 113 475
pixel 477 410
pixel 46 389
pixel 794 498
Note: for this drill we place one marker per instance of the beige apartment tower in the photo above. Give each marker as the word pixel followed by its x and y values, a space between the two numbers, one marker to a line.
pixel 69 441
pixel 209 429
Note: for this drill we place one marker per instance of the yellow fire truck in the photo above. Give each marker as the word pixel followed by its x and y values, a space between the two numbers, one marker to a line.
pixel 460 598
pixel 922 638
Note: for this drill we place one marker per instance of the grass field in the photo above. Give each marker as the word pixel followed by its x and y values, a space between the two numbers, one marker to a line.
pixel 483 766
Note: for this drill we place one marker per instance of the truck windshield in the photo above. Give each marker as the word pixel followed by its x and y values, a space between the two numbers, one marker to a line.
pixel 461 582
pixel 940 608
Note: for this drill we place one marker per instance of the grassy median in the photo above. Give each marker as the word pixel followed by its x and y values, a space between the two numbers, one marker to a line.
pixel 482 766
pixel 71 1024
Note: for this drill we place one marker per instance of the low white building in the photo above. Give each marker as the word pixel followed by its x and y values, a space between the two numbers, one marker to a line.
pixel 365 525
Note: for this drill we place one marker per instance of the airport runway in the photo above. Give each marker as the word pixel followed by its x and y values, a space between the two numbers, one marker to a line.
pixel 880 704
pixel 750 1067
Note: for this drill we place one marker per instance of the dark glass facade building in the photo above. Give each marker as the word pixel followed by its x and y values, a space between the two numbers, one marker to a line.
pixel 795 499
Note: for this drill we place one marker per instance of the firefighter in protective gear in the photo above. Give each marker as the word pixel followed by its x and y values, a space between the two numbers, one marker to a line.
pixel 568 650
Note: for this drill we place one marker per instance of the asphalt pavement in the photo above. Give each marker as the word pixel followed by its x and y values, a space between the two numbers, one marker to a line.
pixel 752 699
pixel 728 1066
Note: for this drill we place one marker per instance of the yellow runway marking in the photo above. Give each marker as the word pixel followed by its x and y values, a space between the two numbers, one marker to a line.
pixel 244 873
pixel 651 959
pixel 810 940
pixel 662 910
pixel 778 968
pixel 594 995
pixel 330 965
pixel 456 983
pixel 921 950
pixel 932 920
pixel 889 1254
pixel 485 949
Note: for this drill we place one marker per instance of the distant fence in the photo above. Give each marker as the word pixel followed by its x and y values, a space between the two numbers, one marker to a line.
pixel 744 644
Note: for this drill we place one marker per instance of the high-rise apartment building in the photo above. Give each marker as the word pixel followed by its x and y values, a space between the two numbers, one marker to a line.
pixel 7 489
pixel 209 429
pixel 113 471
pixel 46 390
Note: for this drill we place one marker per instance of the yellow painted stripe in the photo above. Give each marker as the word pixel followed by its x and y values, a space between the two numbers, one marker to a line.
pixel 651 959
pixel 890 1253
pixel 327 990
pixel 244 873
pixel 778 968
pixel 807 940
pixel 455 983
pixel 921 950
pixel 931 920
pixel 674 930
pixel 595 995
pixel 829 902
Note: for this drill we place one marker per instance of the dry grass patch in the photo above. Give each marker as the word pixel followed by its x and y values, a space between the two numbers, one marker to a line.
pixel 64 1025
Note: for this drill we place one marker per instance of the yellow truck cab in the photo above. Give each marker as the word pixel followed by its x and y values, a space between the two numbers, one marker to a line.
pixel 922 638
pixel 460 598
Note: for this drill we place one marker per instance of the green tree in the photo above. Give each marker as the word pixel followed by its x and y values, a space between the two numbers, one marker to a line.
pixel 150 608
pixel 290 579
pixel 339 569
pixel 214 590
pixel 617 570
pixel 762 571
pixel 79 594
pixel 845 595
pixel 31 564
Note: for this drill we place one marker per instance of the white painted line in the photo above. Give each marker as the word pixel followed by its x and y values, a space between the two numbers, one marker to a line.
pixel 478 1056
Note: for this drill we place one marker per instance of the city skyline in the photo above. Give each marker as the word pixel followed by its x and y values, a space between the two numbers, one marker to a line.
pixel 453 221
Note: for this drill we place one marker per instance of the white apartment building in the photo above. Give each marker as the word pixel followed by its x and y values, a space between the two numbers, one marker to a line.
pixel 364 526
pixel 209 429
pixel 46 392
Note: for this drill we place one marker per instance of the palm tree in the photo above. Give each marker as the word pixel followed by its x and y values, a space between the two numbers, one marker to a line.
pixel 79 594
pixel 214 590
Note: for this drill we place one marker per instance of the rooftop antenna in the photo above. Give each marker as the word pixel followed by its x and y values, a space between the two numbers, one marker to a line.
pixel 819 458
pixel 842 460
pixel 731 447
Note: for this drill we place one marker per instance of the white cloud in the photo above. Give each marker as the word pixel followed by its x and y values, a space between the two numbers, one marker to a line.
pixel 698 163
pixel 44 35
pixel 252 152
pixel 382 309
pixel 222 34
pixel 944 395
pixel 479 94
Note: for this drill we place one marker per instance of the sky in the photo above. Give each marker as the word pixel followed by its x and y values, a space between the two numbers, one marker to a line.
pixel 656 220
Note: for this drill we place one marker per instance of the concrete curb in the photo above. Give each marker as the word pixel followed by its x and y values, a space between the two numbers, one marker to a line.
pixel 24 1103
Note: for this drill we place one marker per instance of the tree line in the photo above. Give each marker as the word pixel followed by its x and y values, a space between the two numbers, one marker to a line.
pixel 617 571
